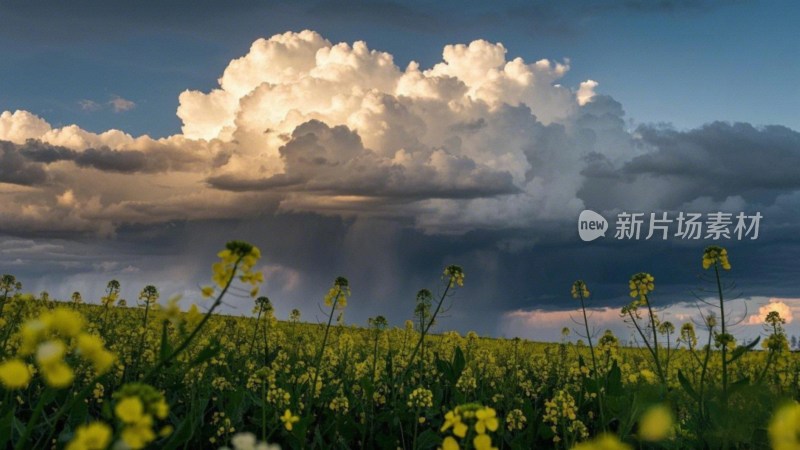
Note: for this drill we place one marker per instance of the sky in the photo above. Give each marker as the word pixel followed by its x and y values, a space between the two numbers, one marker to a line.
pixel 384 140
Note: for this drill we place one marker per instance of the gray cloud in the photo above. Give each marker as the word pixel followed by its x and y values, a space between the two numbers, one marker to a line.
pixel 333 160
pixel 739 158
pixel 716 161
pixel 161 158
pixel 16 169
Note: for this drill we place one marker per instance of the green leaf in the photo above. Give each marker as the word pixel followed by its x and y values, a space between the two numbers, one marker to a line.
pixel 207 353
pixel 458 362
pixel 165 349
pixel 6 428
pixel 427 439
pixel 615 380
pixel 738 385
pixel 739 351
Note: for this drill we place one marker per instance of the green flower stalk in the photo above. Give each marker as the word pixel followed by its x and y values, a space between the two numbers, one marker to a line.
pixel 336 298
pixel 640 285
pixel 581 292
pixel 717 257
pixel 237 260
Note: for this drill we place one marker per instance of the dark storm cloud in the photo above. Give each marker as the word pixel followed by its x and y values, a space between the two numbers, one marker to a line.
pixel 387 263
pixel 26 162
pixel 717 161
pixel 115 161
pixel 234 183
pixel 739 158
pixel 40 152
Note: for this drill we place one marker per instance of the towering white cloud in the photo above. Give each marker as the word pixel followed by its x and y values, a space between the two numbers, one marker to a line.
pixel 477 107
pixel 478 140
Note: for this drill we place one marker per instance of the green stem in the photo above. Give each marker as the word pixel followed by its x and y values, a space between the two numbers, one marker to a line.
pixel 641 333
pixel 66 407
pixel 255 331
pixel 655 340
pixel 321 352
pixel 704 371
pixel 724 346
pixel 425 332
pixel 37 411
pixel 594 361
pixel 197 329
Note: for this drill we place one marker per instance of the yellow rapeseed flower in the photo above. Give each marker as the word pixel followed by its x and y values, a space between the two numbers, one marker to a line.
pixel 603 442
pixel 486 418
pixel 129 410
pixel 450 443
pixel 455 275
pixel 58 375
pixel 66 322
pixel 656 423
pixel 579 290
pixel 641 284
pixel 716 255
pixel 483 442
pixel 289 420
pixel 94 436
pixel 91 347
pixel 338 293
pixel 161 409
pixel 453 420
pixel 140 434
pixel 784 428
pixel 14 374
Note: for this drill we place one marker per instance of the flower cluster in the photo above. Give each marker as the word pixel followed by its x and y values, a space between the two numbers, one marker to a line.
pixel 640 285
pixel 484 420
pixel 92 436
pixel 137 405
pixel 239 256
pixel 50 337
pixel 338 293
pixel 454 276
pixel 420 398
pixel 716 255
pixel 515 420
pixel 340 404
pixel 561 411
pixel 579 290
pixel 726 340
pixel 688 335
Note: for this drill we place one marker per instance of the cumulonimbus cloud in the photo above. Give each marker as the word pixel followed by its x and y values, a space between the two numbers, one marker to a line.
pixel 479 140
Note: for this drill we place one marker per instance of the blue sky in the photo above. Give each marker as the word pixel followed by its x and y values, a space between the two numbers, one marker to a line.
pixel 336 161
pixel 680 62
